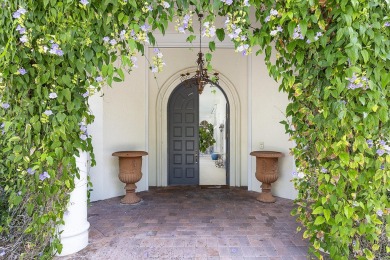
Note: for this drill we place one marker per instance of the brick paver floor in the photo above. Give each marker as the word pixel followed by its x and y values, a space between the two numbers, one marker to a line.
pixel 193 223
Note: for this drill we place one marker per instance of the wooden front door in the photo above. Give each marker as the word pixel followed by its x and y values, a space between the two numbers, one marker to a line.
pixel 183 135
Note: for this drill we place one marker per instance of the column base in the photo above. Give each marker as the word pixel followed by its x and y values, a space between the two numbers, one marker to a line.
pixel 74 242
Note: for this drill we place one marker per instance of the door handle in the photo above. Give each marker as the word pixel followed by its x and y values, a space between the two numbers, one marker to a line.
pixel 196 156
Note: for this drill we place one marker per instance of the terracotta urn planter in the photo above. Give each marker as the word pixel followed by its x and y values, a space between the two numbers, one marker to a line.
pixel 266 172
pixel 130 163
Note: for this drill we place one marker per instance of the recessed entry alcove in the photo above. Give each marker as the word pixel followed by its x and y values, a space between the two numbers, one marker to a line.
pixel 198 135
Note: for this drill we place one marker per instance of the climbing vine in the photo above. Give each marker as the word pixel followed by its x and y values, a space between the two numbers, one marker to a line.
pixel 331 57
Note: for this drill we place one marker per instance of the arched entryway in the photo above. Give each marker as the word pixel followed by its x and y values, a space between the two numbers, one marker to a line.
pixel 198 135
pixel 162 127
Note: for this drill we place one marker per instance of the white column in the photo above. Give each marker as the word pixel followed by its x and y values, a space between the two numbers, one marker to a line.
pixel 75 231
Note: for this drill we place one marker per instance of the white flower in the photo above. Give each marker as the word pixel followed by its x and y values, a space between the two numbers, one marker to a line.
pixel 53 95
pixel 23 39
pixel 48 112
pixel 274 12
pixel 22 10
pixel 181 29
pixel 134 61
pixel 166 5
pixel 122 34
pixel 212 31
pixel 84 2
pixel 301 175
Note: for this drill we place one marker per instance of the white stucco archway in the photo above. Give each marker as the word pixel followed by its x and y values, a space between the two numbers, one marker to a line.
pixel 162 126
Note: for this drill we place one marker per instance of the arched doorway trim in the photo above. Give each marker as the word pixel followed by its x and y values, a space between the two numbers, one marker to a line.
pixel 162 121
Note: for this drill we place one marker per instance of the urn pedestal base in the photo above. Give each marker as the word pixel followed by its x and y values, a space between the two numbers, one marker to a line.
pixel 266 195
pixel 130 164
pixel 266 173
pixel 130 197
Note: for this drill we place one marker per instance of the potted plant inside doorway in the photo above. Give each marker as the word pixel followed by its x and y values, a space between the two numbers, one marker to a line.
pixel 206 135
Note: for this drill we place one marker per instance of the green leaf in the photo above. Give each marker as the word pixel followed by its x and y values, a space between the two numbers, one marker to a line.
pixel 291 27
pixel 121 74
pixel 365 55
pixel 220 32
pixel 116 79
pixel 369 254
pixel 291 46
pixel 14 139
pixel 216 5
pixel 80 66
pixel 344 157
pixel 319 220
pixel 133 3
pixel 300 56
pixel 104 70
pixel 383 114
pixel 208 57
pixel 66 80
pixel 120 16
pixel 212 46
pixel 132 44
pixel 318 210
pixel 67 94
pixel 327 214
pixel 348 211
pixel 88 54
pixel 303 25
pixel 152 40
pixel 191 38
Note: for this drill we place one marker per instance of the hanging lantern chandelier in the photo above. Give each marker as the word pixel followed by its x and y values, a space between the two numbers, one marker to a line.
pixel 201 76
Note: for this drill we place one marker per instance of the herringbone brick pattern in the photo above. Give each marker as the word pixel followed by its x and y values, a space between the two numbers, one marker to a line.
pixel 193 223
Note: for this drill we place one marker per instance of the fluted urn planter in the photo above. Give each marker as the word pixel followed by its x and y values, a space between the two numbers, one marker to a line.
pixel 130 163
pixel 266 172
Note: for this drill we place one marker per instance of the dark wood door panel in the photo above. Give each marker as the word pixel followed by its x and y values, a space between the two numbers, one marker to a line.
pixel 183 135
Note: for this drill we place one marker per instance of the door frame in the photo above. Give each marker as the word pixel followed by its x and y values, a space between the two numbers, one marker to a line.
pixel 162 125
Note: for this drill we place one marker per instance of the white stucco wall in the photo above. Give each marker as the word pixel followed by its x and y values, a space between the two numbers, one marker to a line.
pixel 268 109
pixel 126 119
pixel 120 124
